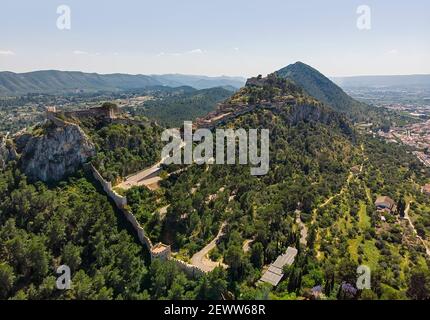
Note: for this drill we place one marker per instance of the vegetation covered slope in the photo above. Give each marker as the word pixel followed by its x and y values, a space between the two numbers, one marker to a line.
pixel 311 151
pixel 173 110
pixel 320 172
pixel 74 224
pixel 53 81
pixel 322 88
pixel 124 149
pixel 71 224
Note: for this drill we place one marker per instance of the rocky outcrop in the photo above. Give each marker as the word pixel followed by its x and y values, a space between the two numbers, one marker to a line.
pixel 281 96
pixel 321 114
pixel 55 151
pixel 7 152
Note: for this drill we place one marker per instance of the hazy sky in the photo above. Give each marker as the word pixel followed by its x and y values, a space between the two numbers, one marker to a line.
pixel 216 37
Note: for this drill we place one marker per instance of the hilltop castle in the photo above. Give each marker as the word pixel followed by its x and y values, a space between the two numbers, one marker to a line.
pixel 106 111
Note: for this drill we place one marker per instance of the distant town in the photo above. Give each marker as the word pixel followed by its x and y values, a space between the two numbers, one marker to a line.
pixel 416 136
pixel 413 102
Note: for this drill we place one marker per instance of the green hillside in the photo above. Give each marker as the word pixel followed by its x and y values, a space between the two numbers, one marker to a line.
pixel 322 88
pixel 173 110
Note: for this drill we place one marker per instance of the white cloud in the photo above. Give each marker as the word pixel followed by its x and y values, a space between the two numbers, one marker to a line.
pixel 85 53
pixel 177 54
pixel 195 51
pixel 393 51
pixel 7 53
pixel 79 52
pixel 236 49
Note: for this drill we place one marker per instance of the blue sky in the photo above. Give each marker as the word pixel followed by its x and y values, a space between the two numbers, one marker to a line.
pixel 216 37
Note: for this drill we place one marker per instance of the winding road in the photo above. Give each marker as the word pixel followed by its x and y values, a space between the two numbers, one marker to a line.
pixel 201 259
pixel 148 177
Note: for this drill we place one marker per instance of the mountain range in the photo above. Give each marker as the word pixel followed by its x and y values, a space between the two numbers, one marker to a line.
pixel 309 79
pixel 55 82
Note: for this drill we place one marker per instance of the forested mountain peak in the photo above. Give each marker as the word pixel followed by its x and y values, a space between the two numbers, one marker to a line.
pixel 322 88
pixel 279 94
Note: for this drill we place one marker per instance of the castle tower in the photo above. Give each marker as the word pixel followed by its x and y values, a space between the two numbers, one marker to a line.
pixel 50 112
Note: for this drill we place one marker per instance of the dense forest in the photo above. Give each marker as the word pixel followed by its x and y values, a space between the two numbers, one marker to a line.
pixel 123 149
pixel 73 223
pixel 172 110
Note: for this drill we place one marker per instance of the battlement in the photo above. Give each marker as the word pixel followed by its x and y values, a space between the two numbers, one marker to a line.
pixel 51 109
pixel 160 251
pixel 106 111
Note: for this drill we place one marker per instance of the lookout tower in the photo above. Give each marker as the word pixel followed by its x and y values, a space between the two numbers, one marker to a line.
pixel 160 251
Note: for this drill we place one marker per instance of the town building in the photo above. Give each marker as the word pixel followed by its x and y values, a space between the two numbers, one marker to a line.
pixel 275 273
pixel 385 203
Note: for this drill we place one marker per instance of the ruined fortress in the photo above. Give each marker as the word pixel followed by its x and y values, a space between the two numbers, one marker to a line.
pixel 106 111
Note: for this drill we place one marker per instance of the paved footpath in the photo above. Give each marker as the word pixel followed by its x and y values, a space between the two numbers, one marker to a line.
pixel 201 259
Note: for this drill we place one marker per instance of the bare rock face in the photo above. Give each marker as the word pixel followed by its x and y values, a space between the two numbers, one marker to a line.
pixel 56 152
pixel 7 152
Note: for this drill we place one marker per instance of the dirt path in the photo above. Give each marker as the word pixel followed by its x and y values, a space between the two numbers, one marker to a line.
pixel 163 211
pixel 344 188
pixel 201 259
pixel 408 207
pixel 315 211
pixel 303 229
pixel 247 245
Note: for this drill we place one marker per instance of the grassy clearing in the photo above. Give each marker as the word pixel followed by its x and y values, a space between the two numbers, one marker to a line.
pixel 364 219
pixel 371 254
pixel 353 248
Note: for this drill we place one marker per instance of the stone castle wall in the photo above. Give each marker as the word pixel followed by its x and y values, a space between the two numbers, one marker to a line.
pixel 93 112
pixel 138 228
pixel 189 269
pixel 121 202
pixel 52 116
